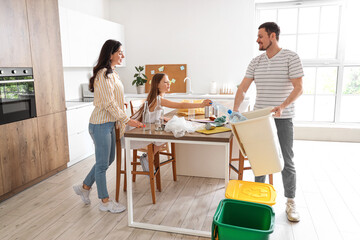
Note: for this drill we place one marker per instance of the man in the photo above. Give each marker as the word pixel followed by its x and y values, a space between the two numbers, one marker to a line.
pixel 277 74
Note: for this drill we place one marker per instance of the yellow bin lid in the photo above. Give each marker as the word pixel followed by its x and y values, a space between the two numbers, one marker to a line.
pixel 251 192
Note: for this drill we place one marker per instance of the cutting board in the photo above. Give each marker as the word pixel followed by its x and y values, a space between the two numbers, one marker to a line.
pixel 176 73
pixel 215 130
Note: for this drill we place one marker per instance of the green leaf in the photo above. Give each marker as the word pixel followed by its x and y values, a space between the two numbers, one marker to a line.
pixel 137 69
pixel 136 74
pixel 133 82
pixel 141 68
pixel 144 76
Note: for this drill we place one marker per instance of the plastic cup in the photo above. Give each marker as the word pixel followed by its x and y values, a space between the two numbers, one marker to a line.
pixel 191 113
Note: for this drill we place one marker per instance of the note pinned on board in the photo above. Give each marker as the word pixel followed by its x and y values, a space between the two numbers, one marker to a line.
pixel 161 68
pixel 152 71
pixel 173 80
pixel 182 68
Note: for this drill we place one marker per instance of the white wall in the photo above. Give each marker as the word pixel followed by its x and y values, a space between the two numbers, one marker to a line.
pixel 73 77
pixel 97 8
pixel 214 38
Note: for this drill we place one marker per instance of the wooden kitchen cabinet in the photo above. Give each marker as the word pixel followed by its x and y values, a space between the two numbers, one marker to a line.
pixel 19 154
pixel 44 30
pixel 53 142
pixel 14 37
pixel 33 149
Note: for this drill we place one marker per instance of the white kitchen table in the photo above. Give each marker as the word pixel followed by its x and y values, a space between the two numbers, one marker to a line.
pixel 219 139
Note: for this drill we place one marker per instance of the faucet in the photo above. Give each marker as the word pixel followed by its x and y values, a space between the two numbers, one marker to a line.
pixel 188 85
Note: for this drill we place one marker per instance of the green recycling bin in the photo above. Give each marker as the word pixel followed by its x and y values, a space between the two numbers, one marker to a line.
pixel 236 219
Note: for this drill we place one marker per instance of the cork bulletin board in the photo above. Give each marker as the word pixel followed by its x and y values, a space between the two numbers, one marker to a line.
pixel 176 73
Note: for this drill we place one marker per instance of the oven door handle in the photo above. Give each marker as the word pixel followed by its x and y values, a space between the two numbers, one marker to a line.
pixel 16 81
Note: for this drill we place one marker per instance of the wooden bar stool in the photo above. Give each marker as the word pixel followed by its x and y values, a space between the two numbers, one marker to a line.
pixel 241 168
pixel 154 170
pixel 154 167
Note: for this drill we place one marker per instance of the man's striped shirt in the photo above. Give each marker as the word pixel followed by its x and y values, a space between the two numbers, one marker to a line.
pixel 272 79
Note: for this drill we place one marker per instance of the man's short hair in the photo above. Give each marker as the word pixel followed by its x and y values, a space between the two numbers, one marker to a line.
pixel 271 27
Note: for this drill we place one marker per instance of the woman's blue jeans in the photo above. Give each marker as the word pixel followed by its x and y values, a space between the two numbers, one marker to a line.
pixel 103 136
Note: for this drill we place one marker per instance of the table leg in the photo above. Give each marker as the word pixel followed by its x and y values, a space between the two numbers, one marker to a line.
pixel 129 184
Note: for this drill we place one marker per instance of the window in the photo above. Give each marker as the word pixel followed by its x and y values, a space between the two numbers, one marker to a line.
pixel 325 44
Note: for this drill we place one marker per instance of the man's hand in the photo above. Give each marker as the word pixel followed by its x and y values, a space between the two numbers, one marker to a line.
pixel 277 110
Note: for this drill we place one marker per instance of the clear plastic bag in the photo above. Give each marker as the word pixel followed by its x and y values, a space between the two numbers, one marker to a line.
pixel 179 126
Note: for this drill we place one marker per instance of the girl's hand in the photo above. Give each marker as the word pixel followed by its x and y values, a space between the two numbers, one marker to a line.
pixel 134 123
pixel 166 119
pixel 206 102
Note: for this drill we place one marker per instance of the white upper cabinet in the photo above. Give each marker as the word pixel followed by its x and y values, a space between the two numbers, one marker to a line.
pixel 82 37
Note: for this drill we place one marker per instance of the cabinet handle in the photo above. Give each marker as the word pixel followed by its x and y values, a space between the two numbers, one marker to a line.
pixel 16 81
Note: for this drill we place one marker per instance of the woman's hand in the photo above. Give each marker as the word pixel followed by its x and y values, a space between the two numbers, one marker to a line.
pixel 134 123
pixel 166 119
pixel 206 102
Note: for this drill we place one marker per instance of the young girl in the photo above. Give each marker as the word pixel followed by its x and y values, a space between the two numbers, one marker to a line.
pixel 160 85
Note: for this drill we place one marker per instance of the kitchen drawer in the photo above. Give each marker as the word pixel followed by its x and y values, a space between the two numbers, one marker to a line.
pixel 80 147
pixel 78 119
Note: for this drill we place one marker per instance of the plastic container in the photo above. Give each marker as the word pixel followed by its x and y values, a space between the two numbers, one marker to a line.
pixel 258 140
pixel 235 219
pixel 251 192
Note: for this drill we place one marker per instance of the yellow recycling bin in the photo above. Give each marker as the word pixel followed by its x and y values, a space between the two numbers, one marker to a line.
pixel 251 192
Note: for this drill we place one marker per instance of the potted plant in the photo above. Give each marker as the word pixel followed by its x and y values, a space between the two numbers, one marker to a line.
pixel 140 79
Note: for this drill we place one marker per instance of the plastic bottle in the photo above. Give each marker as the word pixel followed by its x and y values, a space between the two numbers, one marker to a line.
pixel 233 116
pixel 159 115
pixel 146 117
pixel 221 108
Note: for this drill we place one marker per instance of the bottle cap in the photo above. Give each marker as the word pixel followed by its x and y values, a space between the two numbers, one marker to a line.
pixel 229 112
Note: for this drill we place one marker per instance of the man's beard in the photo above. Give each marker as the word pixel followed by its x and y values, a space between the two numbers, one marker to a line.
pixel 264 49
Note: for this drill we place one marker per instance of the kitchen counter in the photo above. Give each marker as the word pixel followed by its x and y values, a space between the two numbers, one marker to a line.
pixel 74 104
pixel 185 96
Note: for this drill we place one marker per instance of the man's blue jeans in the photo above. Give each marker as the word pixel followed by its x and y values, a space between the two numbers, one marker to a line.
pixel 103 136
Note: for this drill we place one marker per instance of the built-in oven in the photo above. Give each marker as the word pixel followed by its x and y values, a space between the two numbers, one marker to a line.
pixel 17 94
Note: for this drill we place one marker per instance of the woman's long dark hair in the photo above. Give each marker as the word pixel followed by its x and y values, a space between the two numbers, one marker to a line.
pixel 151 98
pixel 109 48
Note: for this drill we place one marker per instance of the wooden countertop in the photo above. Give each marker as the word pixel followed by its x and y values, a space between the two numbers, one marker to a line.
pixel 140 133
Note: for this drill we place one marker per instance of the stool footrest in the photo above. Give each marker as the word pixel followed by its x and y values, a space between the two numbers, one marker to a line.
pixel 167 161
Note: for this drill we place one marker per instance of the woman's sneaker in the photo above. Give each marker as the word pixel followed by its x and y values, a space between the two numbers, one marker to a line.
pixel 83 193
pixel 112 207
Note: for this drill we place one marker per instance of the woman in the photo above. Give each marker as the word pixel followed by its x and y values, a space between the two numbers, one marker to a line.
pixel 109 111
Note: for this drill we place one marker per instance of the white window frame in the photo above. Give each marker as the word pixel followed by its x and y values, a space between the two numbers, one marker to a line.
pixel 339 60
